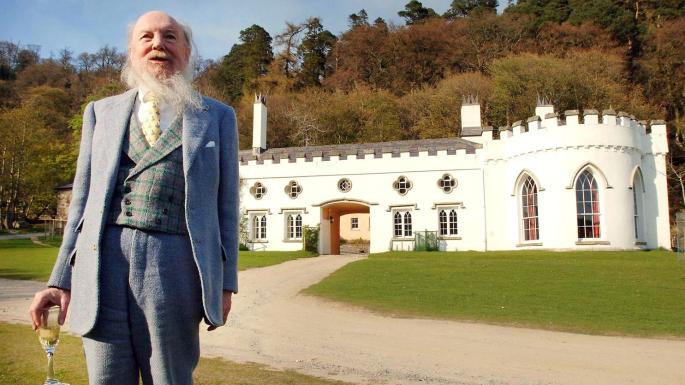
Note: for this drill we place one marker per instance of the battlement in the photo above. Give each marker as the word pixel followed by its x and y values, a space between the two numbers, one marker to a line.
pixel 571 119
pixel 589 126
pixel 382 150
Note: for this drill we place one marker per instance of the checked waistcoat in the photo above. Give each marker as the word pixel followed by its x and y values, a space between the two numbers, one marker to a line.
pixel 150 189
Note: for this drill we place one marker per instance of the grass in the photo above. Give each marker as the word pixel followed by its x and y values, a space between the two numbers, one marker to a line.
pixel 252 259
pixel 23 362
pixel 609 293
pixel 23 259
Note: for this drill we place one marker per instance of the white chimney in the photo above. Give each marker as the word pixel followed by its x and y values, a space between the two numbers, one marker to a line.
pixel 470 112
pixel 259 125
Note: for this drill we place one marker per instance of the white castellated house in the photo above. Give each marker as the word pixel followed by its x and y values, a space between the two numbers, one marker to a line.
pixel 554 181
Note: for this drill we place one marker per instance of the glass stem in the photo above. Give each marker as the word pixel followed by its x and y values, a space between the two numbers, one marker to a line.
pixel 51 370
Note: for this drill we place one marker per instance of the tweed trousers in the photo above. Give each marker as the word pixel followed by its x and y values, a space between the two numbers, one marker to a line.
pixel 150 309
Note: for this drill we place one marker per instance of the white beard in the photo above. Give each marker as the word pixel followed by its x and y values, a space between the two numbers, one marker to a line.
pixel 177 90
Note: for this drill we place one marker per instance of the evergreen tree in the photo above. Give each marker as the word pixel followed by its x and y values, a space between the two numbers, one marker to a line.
pixel 414 12
pixel 244 63
pixel 358 19
pixel 541 11
pixel 463 8
pixel 313 52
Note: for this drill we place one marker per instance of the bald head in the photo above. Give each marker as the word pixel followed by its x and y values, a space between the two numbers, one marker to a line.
pixel 159 45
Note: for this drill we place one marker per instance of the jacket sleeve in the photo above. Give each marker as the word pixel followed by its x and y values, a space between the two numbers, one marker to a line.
pixel 61 272
pixel 229 198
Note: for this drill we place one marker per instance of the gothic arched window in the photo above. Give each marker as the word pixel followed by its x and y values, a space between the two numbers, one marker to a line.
pixel 587 206
pixel 530 225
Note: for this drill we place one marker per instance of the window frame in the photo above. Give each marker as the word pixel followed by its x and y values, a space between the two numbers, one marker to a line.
pixel 638 200
pixel 402 185
pixel 405 225
pixel 452 183
pixel 293 189
pixel 595 205
pixel 258 190
pixel 523 209
pixel 293 223
pixel 450 222
pixel 258 226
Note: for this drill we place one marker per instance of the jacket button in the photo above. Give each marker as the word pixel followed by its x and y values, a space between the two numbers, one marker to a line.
pixel 127 201
pixel 165 211
pixel 158 221
pixel 129 214
pixel 95 247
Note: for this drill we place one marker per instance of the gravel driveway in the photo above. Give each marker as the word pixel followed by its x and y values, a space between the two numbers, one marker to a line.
pixel 274 325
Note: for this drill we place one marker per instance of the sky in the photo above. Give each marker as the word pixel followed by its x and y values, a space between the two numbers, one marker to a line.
pixel 85 26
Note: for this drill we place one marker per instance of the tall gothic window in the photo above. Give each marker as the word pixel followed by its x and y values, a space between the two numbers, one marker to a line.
pixel 637 205
pixel 587 206
pixel 530 226
pixel 258 227
pixel 402 224
pixel 294 226
pixel 447 218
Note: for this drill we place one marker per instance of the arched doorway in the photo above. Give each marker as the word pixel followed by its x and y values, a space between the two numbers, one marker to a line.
pixel 330 222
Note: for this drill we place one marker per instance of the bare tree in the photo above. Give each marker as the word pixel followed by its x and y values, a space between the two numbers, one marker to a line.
pixel 289 40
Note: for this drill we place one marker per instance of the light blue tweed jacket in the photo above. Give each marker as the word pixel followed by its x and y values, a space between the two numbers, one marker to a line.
pixel 210 167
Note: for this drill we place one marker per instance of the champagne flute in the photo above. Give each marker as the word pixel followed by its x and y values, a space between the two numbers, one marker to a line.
pixel 48 334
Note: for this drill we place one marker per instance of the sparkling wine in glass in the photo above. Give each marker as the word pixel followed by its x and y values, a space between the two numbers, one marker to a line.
pixel 48 335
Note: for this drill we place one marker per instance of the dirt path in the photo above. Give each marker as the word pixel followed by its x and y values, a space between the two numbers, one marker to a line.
pixel 272 324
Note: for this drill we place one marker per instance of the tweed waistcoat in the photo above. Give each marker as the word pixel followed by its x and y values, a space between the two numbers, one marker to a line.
pixel 150 189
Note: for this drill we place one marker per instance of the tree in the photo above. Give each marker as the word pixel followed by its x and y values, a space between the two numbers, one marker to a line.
pixel 246 62
pixel 29 165
pixel 362 55
pixel 463 8
pixel 541 11
pixel 358 19
pixel 313 52
pixel 108 61
pixel 414 12
pixel 583 79
pixel 65 59
pixel 433 112
pixel 289 40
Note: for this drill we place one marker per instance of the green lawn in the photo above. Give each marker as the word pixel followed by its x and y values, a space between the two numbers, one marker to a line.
pixel 252 259
pixel 22 362
pixel 626 293
pixel 22 259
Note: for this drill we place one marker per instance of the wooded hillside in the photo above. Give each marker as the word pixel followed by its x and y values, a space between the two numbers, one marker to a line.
pixel 373 82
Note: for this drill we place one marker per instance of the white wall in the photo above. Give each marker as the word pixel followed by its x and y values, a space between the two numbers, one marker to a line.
pixel 486 192
pixel 372 182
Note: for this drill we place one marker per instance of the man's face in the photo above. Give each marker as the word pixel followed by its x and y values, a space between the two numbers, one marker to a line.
pixel 158 45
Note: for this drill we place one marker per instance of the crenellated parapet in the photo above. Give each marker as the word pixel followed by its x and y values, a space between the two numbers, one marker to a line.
pixel 574 129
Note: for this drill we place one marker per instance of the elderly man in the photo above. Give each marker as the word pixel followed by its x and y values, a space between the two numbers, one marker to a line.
pixel 150 247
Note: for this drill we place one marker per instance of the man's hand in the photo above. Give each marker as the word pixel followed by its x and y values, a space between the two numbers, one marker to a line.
pixel 227 307
pixel 50 297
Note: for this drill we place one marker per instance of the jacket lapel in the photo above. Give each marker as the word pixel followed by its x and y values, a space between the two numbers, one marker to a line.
pixel 110 141
pixel 195 125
